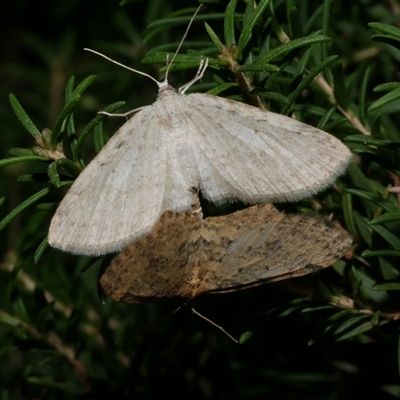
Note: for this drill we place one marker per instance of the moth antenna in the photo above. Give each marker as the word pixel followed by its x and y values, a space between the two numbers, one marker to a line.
pixel 180 44
pixel 123 66
pixel 214 324
pixel 165 81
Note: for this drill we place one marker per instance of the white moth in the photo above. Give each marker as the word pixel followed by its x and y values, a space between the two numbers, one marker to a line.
pixel 230 150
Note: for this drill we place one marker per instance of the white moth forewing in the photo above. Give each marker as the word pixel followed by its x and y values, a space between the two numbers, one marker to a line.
pixel 230 150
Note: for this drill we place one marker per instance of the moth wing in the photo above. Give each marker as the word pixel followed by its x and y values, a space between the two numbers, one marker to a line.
pixel 121 194
pixel 260 244
pixel 258 156
pixel 157 266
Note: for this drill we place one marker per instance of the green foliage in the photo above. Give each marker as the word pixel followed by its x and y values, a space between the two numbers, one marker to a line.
pixel 330 335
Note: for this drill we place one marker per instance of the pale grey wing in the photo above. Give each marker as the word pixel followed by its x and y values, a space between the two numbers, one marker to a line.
pixel 119 195
pixel 157 266
pixel 255 156
pixel 260 244
pixel 182 178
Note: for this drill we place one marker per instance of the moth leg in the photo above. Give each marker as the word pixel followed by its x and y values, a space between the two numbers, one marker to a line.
pixel 199 74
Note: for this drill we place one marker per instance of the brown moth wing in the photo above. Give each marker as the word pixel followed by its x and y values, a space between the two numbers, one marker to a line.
pixel 261 244
pixel 158 266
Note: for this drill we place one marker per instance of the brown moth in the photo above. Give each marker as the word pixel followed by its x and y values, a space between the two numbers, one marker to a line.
pixel 185 255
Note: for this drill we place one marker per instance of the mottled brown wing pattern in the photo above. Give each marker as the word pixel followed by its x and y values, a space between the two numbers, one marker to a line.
pixel 157 266
pixel 260 244
pixel 185 256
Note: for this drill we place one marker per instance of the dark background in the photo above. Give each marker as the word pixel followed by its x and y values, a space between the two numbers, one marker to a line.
pixel 58 339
